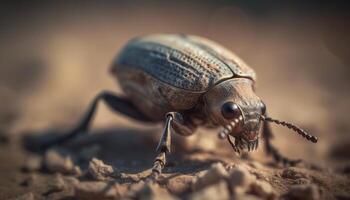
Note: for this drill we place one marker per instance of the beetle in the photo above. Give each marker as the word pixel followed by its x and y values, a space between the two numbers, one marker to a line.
pixel 189 81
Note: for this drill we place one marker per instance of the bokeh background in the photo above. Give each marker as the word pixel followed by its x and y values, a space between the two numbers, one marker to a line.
pixel 55 57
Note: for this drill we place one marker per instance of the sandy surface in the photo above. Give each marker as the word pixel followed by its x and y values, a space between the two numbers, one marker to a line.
pixel 53 63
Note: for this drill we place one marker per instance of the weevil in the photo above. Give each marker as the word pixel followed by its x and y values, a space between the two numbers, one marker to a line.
pixel 188 81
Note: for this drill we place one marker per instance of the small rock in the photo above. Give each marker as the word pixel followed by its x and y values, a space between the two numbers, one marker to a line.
pixel 179 184
pixel 100 171
pixel 95 190
pixel 301 192
pixel 216 173
pixel 218 191
pixel 261 189
pixel 33 163
pixel 240 176
pixel 55 162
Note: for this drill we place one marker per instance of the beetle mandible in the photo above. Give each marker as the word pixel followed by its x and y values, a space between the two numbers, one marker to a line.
pixel 190 81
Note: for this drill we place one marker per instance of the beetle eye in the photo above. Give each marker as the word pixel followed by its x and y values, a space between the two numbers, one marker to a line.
pixel 230 110
pixel 263 108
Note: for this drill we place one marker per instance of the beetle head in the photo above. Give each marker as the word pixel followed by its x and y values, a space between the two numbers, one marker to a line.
pixel 234 105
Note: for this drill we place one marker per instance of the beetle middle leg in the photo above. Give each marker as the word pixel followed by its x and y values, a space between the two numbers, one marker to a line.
pixel 175 121
pixel 271 150
pixel 116 103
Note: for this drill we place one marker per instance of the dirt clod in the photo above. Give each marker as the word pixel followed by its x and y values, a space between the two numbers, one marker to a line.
pixel 100 171
pixel 240 176
pixel 216 172
pixel 54 161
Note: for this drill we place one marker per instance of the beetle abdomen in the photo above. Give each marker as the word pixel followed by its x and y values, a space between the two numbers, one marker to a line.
pixel 175 60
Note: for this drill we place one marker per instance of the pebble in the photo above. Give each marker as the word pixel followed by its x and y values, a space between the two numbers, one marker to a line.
pixel 94 190
pixel 216 173
pixel 100 171
pixel 55 162
pixel 301 192
pixel 218 191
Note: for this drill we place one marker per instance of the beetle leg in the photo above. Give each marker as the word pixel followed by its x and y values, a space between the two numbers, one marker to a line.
pixel 118 104
pixel 175 121
pixel 163 148
pixel 271 150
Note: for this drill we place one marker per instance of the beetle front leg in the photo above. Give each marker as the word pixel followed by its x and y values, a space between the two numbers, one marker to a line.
pixel 163 148
pixel 174 120
pixel 271 150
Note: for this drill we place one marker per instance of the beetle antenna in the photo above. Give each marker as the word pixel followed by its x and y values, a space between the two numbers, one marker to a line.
pixel 293 127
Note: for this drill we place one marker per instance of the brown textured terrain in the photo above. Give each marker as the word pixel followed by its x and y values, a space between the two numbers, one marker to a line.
pixel 55 58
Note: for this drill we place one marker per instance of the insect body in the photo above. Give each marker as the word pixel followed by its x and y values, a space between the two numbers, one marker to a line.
pixel 188 81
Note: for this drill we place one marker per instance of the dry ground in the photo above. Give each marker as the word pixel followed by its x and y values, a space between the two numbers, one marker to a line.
pixel 54 59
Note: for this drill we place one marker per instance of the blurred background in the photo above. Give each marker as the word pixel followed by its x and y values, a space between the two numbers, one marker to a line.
pixel 55 57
